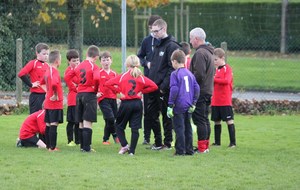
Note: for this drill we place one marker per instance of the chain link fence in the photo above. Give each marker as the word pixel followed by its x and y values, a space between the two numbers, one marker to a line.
pixel 252 32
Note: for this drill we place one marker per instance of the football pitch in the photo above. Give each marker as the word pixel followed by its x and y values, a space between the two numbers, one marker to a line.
pixel 266 157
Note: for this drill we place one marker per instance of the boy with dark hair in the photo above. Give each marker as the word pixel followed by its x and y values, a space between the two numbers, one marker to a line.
pixel 87 73
pixel 184 92
pixel 145 56
pixel 54 100
pixel 107 98
pixel 221 103
pixel 72 126
pixel 36 69
pixel 34 124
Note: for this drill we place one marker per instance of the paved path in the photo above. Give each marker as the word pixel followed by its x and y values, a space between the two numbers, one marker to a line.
pixel 239 95
pixel 267 96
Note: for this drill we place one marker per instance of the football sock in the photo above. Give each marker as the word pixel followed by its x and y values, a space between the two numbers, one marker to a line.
pixel 47 136
pixel 121 136
pixel 134 139
pixel 231 130
pixel 69 130
pixel 218 130
pixel 80 137
pixel 53 136
pixel 76 133
pixel 86 139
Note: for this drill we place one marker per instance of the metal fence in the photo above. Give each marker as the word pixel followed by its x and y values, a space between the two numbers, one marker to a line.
pixel 253 34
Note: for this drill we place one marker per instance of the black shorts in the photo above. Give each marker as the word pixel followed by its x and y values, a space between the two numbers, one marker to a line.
pixel 71 110
pixel 86 107
pixel 109 108
pixel 36 101
pixel 54 116
pixel 30 142
pixel 223 113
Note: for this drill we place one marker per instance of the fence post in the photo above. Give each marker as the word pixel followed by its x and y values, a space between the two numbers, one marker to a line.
pixel 19 47
pixel 224 47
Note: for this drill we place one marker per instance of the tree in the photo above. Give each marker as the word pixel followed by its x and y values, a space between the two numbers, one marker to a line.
pixel 74 15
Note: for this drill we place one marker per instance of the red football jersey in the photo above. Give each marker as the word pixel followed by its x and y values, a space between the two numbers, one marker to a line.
pixel 36 71
pixel 131 87
pixel 53 85
pixel 72 86
pixel 107 92
pixel 32 125
pixel 223 86
pixel 88 76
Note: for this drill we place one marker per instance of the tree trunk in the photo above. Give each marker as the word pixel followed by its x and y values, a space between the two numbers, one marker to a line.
pixel 75 22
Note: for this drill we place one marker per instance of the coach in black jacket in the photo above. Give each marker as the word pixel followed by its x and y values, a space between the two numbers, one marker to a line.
pixel 160 71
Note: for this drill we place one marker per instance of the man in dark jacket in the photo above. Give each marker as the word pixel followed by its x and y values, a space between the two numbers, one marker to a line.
pixel 160 71
pixel 202 66
pixel 145 55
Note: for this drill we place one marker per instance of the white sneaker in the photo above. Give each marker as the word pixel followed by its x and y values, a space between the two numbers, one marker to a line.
pixel 124 149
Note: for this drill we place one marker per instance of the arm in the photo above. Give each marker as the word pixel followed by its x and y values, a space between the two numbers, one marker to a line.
pixel 196 91
pixel 142 54
pixel 225 77
pixel 150 86
pixel 199 66
pixel 71 84
pixel 23 74
pixel 174 90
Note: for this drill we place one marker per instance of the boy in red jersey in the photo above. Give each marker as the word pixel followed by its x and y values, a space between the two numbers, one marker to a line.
pixel 87 73
pixel 36 69
pixel 34 124
pixel 221 103
pixel 107 98
pixel 72 126
pixel 54 99
pixel 131 85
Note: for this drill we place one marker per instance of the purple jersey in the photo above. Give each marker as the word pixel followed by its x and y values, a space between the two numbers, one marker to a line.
pixel 184 90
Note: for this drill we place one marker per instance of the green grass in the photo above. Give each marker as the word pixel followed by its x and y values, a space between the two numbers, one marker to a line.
pixel 267 157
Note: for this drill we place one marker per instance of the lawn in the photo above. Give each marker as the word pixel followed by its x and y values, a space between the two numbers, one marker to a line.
pixel 266 157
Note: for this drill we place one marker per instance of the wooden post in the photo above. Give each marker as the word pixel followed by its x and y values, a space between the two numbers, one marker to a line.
pixel 224 47
pixel 135 29
pixel 187 11
pixel 175 23
pixel 19 48
pixel 283 26
pixel 181 20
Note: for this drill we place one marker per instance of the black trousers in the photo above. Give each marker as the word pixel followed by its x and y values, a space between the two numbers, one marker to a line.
pixel 200 117
pixel 158 103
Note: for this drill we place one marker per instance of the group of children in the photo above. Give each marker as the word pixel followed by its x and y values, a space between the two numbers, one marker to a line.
pixel 90 86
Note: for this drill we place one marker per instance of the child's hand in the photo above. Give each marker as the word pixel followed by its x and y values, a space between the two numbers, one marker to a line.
pixel 170 113
pixel 54 97
pixel 192 109
pixel 35 84
pixel 99 94
pixel 140 94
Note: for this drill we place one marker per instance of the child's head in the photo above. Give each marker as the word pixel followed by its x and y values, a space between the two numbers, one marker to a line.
pixel 105 60
pixel 93 52
pixel 42 52
pixel 186 48
pixel 55 58
pixel 73 58
pixel 178 59
pixel 219 57
pixel 133 63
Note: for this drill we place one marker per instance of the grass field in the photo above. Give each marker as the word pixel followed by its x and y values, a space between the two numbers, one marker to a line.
pixel 266 157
